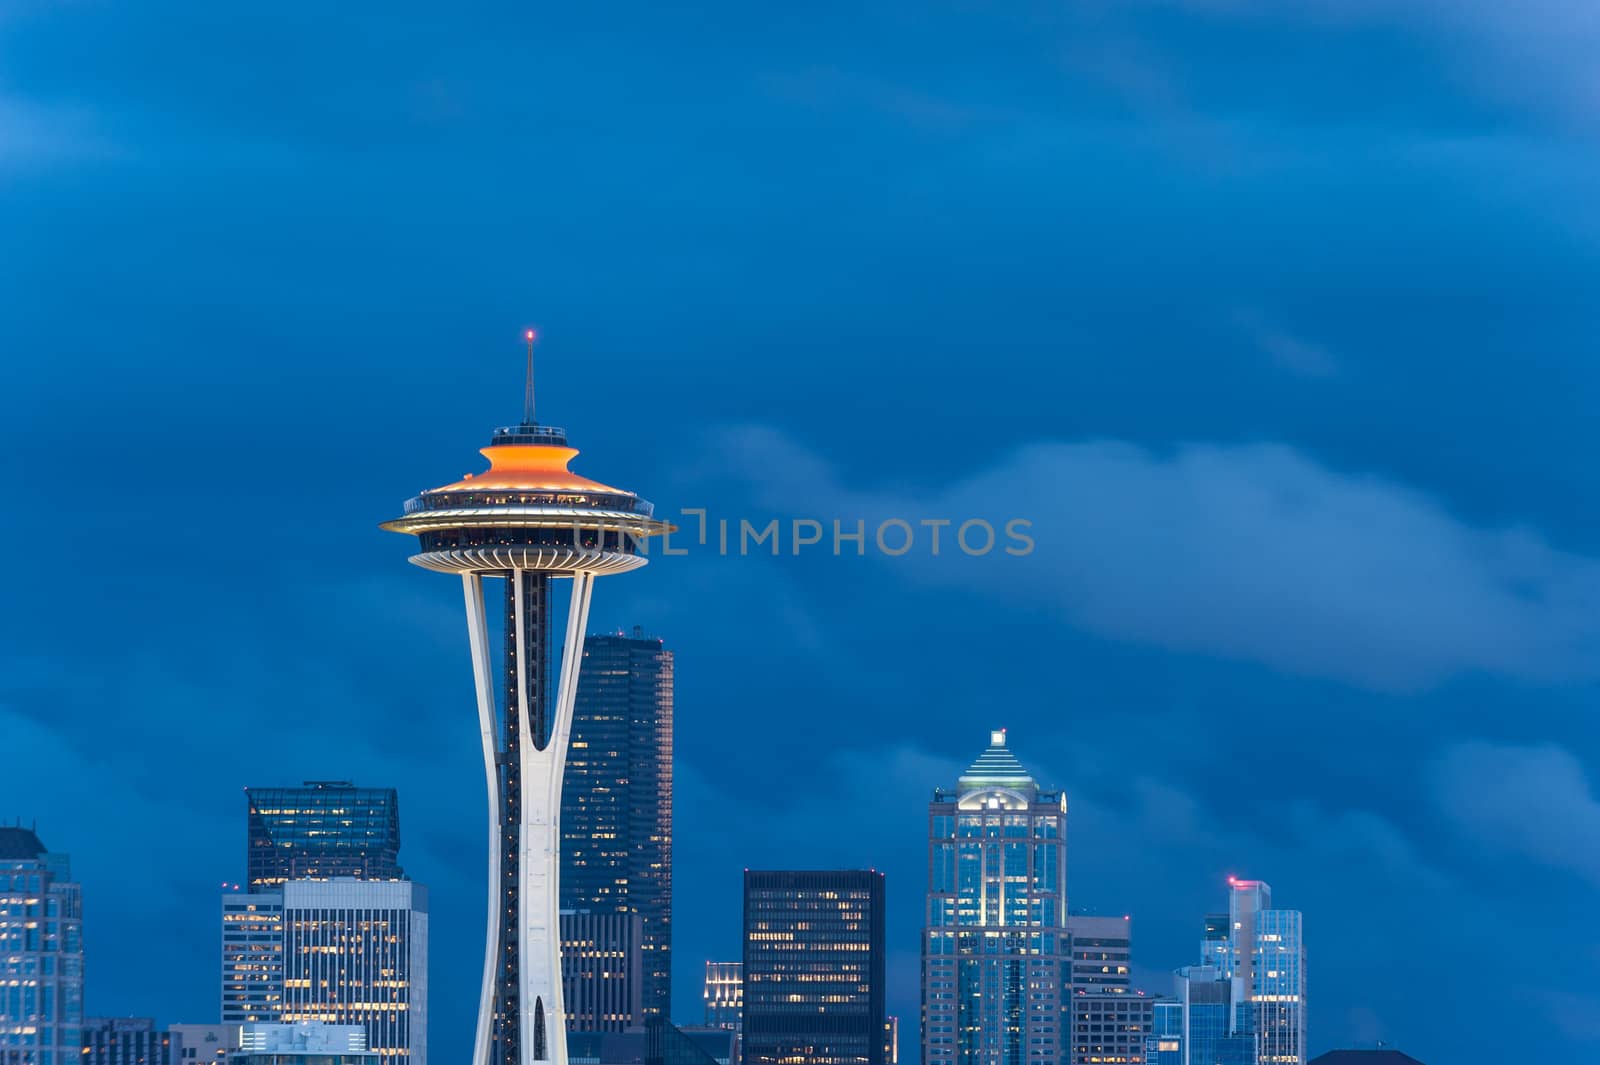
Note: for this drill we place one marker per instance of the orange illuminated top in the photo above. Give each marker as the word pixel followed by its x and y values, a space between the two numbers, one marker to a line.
pixel 529 468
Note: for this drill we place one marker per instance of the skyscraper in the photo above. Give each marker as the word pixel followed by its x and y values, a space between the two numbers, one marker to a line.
pixel 528 520
pixel 252 956
pixel 994 945
pixel 337 951
pixel 356 952
pixel 41 954
pixel 602 982
pixel 1246 1003
pixel 616 801
pixel 324 829
pixel 1267 954
pixel 814 968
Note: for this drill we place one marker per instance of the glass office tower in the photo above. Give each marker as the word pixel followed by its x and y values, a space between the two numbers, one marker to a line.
pixel 323 829
pixel 1245 1004
pixel 995 956
pixel 41 954
pixel 616 799
pixel 814 968
pixel 1268 956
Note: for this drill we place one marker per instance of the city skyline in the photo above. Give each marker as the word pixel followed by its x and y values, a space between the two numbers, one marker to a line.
pixel 1275 321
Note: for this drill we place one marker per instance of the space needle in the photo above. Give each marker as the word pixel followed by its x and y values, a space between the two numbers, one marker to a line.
pixel 527 520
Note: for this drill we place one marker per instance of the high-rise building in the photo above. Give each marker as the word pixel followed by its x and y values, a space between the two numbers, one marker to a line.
pixel 814 968
pixel 724 994
pixel 527 520
pixel 995 945
pixel 601 980
pixel 129 1041
pixel 252 956
pixel 41 953
pixel 1267 955
pixel 616 801
pixel 1245 1004
pixel 1109 1028
pixel 355 952
pixel 1102 953
pixel 324 829
pixel 1215 1024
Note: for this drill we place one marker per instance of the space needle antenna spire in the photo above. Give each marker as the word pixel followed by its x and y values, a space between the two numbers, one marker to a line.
pixel 527 394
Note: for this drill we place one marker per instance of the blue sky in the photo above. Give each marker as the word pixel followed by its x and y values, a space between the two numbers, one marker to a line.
pixel 1277 321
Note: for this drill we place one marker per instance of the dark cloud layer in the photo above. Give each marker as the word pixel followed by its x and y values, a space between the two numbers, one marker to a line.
pixel 1275 320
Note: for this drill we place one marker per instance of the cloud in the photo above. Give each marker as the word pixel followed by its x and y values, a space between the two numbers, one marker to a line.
pixel 1251 552
pixel 1532 801
pixel 1284 348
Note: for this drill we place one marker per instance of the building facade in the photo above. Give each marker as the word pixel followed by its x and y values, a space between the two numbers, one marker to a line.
pixel 41 953
pixel 1102 953
pixel 1110 1028
pixel 252 957
pixel 813 968
pixel 724 995
pixel 1165 1045
pixel 355 952
pixel 129 1041
pixel 206 1044
pixel 1267 955
pixel 304 1043
pixel 1245 1004
pixel 995 949
pixel 321 830
pixel 1215 1022
pixel 616 799
pixel 601 979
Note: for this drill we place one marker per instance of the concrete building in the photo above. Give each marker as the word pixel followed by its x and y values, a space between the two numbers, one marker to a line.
pixel 252 957
pixel 41 953
pixel 303 1043
pixel 1109 1028
pixel 995 947
pixel 814 968
pixel 129 1041
pixel 355 952
pixel 206 1044
pixel 1102 953
pixel 601 972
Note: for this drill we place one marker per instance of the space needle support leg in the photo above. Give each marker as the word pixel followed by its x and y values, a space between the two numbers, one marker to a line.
pixel 544 1030
pixel 482 677
pixel 543 1024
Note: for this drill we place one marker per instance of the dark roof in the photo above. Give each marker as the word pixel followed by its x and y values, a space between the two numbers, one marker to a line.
pixel 1365 1057
pixel 18 843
